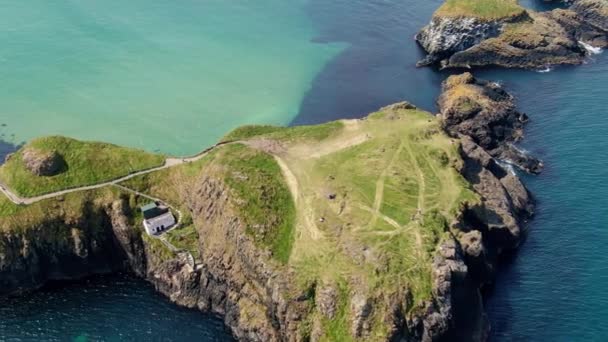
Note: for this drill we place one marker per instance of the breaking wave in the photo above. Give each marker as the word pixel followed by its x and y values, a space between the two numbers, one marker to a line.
pixel 592 50
pixel 546 69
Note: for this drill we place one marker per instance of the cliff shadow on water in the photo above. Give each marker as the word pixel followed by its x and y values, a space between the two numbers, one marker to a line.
pixel 101 308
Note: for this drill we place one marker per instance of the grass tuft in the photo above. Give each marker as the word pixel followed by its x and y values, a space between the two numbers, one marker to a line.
pixel 482 9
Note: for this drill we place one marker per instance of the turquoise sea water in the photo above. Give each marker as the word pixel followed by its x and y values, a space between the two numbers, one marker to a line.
pixel 174 76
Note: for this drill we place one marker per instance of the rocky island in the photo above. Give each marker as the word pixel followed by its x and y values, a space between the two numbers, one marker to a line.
pixel 384 228
pixel 472 33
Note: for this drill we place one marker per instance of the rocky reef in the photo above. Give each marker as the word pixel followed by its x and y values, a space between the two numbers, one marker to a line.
pixel 526 40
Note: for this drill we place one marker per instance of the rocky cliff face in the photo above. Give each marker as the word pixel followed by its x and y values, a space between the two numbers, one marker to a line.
pixel 236 279
pixel 444 37
pixel 484 118
pixel 592 12
pixel 532 40
pixel 62 247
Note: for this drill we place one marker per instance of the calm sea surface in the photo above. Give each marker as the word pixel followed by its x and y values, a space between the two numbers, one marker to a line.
pixel 175 76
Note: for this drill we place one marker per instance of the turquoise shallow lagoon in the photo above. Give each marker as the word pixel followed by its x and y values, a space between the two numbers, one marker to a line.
pixel 174 76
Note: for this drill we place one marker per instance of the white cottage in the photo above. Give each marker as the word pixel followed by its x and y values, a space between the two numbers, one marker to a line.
pixel 157 219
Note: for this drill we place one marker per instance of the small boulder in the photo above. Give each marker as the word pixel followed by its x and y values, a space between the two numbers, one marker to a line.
pixel 42 163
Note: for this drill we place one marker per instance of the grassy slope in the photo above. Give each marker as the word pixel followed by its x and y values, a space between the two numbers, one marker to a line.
pixel 87 163
pixel 257 181
pixel 70 208
pixel 313 133
pixel 397 188
pixel 259 193
pixel 483 9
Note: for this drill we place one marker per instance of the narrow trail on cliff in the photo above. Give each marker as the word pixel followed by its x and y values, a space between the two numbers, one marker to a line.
pixel 379 195
pixel 169 163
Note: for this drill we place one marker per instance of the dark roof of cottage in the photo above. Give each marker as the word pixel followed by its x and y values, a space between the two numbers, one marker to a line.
pixel 149 206
pixel 152 210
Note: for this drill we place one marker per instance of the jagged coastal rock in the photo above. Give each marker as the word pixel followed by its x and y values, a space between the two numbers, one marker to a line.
pixel 446 36
pixel 266 281
pixel 486 113
pixel 462 34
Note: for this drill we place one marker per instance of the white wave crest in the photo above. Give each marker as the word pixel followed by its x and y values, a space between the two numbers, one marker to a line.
pixel 592 50
pixel 508 166
pixel 519 149
pixel 547 69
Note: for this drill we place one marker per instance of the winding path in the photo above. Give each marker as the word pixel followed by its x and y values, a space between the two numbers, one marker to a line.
pixel 169 162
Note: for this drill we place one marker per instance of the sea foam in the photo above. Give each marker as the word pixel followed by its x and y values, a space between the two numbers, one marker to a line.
pixel 592 50
pixel 546 69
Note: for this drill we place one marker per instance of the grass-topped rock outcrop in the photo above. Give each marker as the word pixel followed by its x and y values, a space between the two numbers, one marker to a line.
pixel 46 165
pixel 469 33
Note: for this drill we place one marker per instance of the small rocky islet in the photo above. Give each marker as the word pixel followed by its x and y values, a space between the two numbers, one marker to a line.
pixel 466 34
pixel 384 228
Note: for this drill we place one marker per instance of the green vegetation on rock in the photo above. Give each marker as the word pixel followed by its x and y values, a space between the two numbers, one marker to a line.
pixel 259 193
pixel 267 205
pixel 80 164
pixel 481 9
pixel 69 208
pixel 316 132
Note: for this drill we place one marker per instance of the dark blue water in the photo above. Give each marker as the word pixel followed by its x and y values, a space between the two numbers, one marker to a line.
pixel 554 289
pixel 116 308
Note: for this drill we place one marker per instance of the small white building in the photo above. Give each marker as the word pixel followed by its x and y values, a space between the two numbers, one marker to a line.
pixel 157 219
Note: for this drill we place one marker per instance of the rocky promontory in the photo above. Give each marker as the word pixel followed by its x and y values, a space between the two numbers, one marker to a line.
pixel 379 229
pixel 464 34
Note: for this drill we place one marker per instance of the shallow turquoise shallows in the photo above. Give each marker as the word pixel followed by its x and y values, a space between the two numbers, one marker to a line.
pixel 175 75
pixel 172 76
